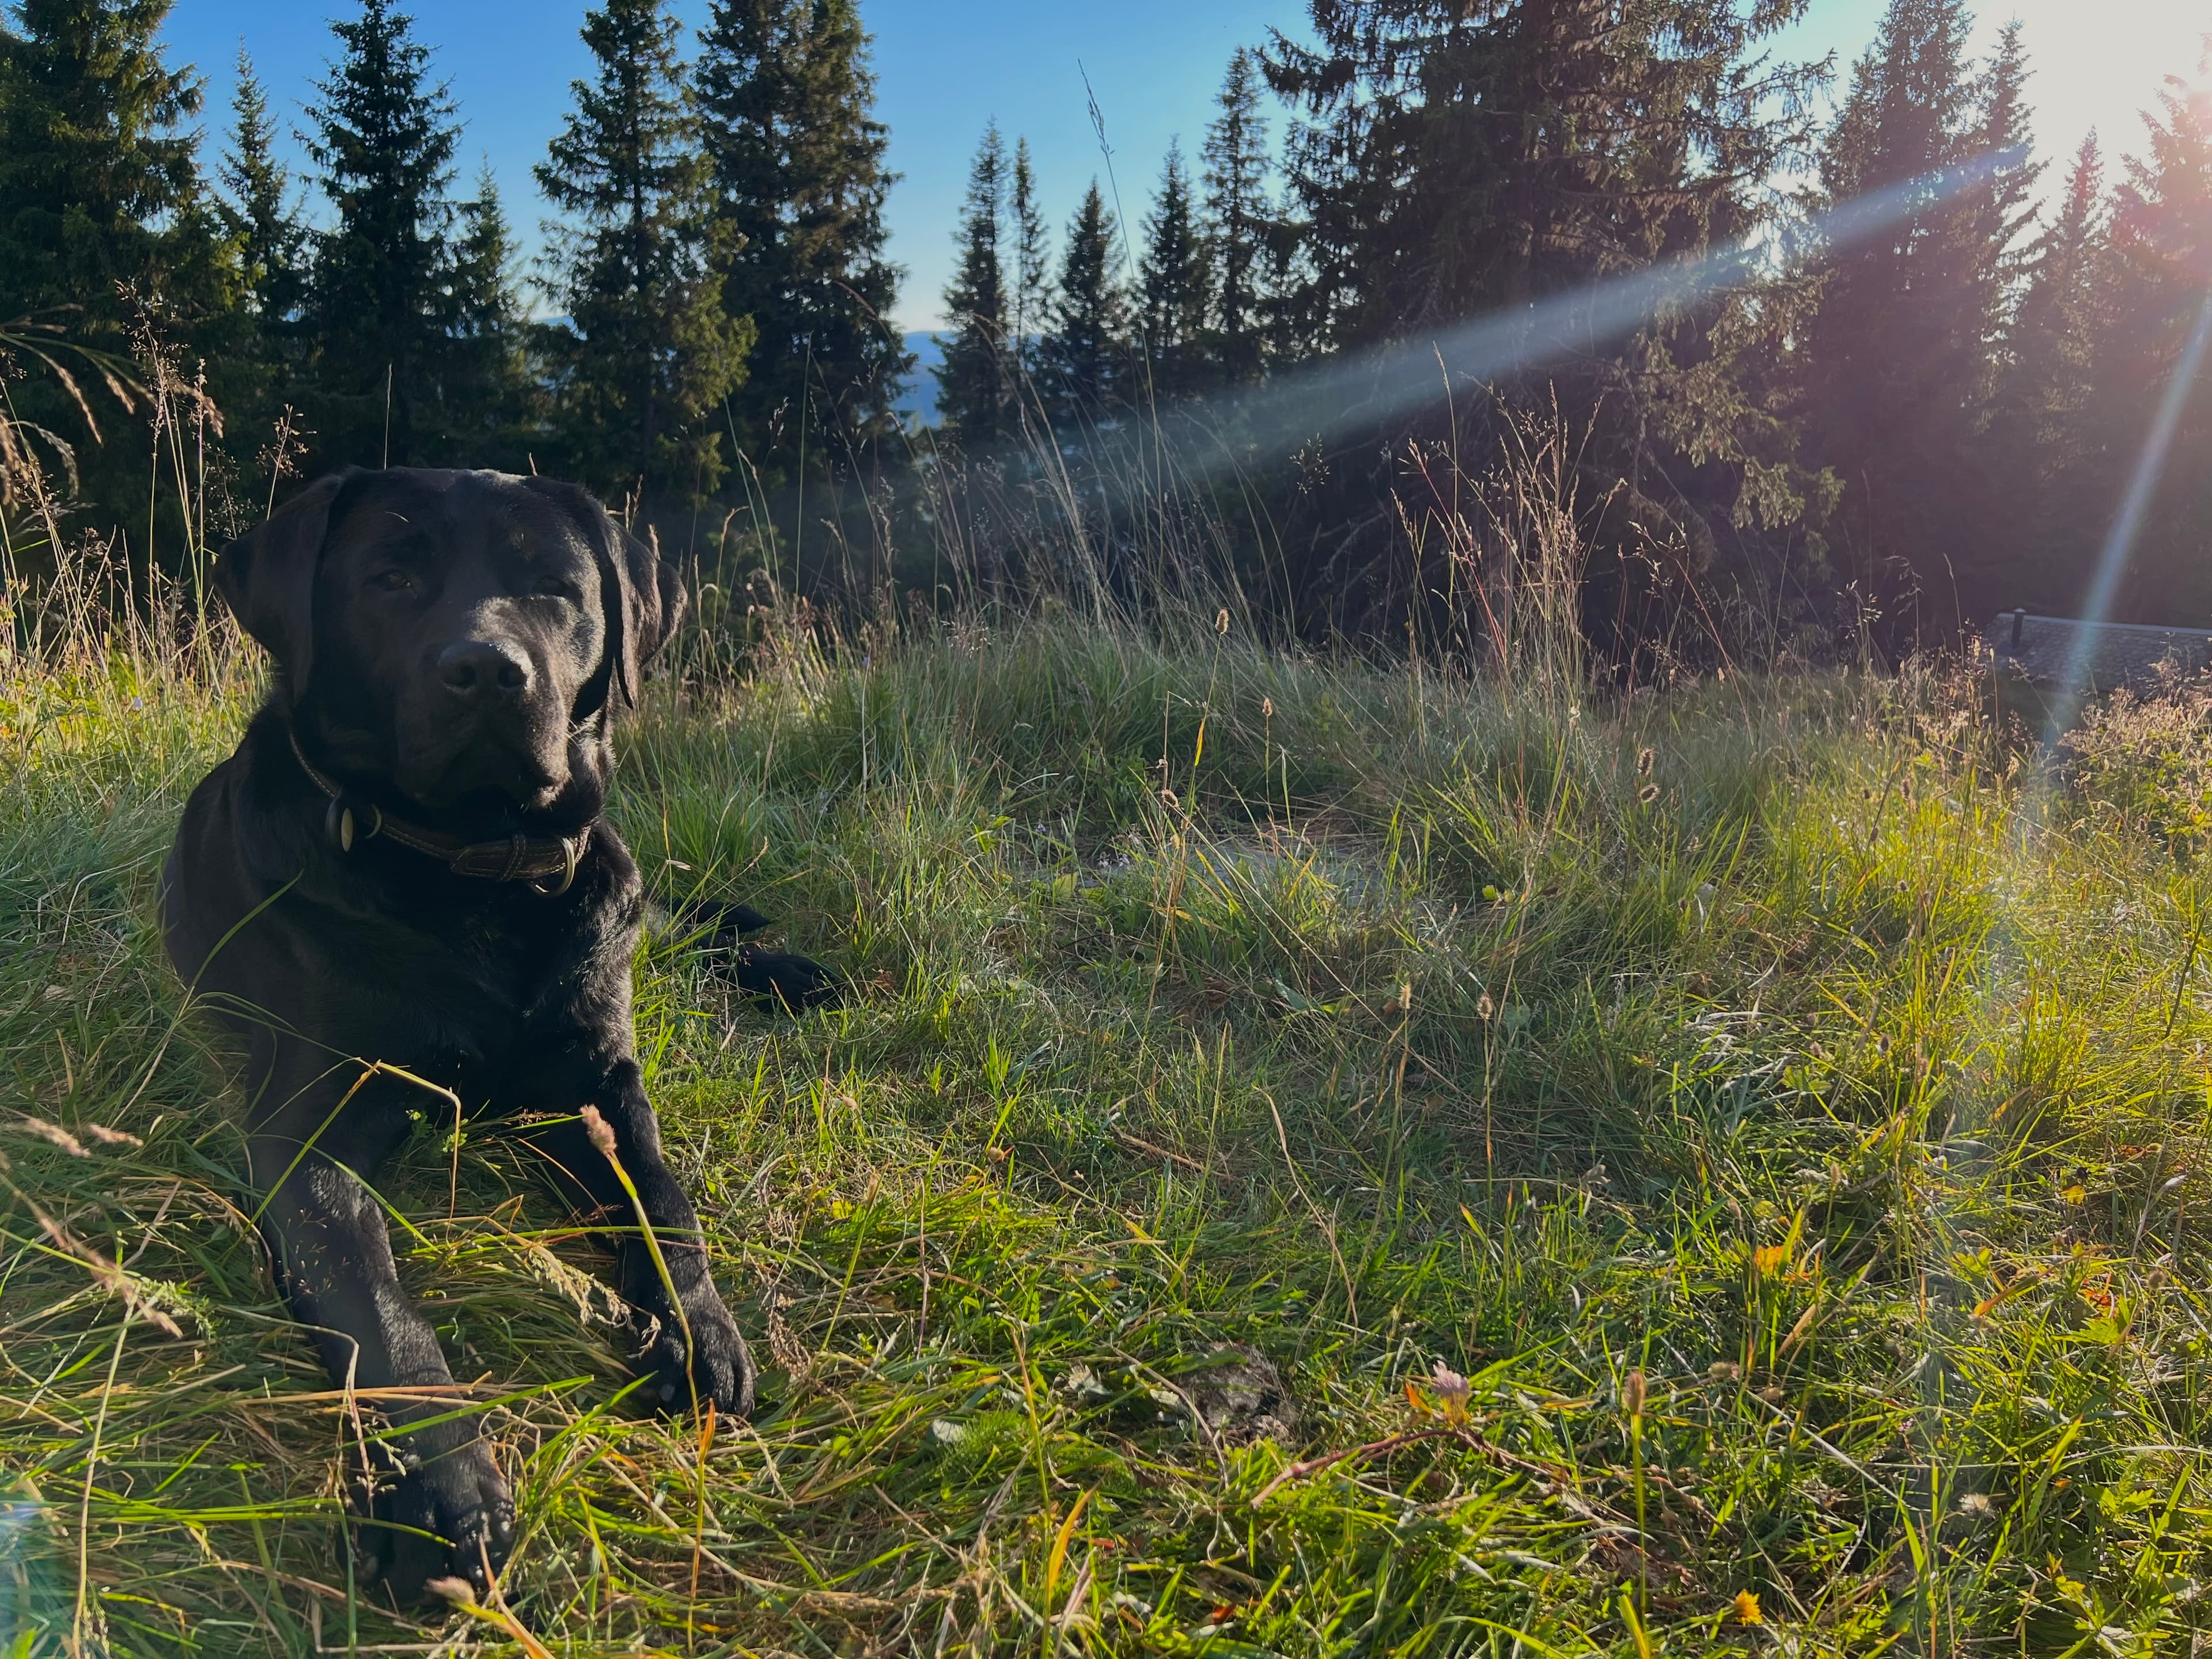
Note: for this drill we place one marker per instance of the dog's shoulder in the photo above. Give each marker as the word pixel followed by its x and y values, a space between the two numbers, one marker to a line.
pixel 234 848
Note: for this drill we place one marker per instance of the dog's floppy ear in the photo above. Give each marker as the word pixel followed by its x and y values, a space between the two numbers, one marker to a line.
pixel 267 577
pixel 640 592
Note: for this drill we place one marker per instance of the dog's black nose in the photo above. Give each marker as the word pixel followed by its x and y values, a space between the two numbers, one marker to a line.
pixel 481 667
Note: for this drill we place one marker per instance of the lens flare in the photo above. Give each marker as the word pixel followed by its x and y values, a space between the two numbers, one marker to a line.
pixel 1347 394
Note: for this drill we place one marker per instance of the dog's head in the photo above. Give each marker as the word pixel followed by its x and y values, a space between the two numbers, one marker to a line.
pixel 465 637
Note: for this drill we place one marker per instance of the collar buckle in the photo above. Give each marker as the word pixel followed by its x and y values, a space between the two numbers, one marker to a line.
pixel 341 824
pixel 347 821
pixel 553 886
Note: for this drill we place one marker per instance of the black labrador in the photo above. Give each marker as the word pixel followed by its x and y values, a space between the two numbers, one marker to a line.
pixel 404 876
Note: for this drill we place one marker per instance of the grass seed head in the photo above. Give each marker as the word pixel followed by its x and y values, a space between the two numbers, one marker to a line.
pixel 55 1134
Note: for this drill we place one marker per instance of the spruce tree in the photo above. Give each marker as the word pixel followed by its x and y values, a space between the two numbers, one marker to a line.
pixel 2053 340
pixel 975 381
pixel 2046 434
pixel 1238 217
pixel 1992 256
pixel 383 137
pixel 2003 209
pixel 108 239
pixel 271 242
pixel 786 93
pixel 100 185
pixel 1173 286
pixel 1086 352
pixel 1315 250
pixel 485 299
pixel 1032 269
pixel 646 353
pixel 261 213
pixel 487 394
pixel 2154 293
pixel 1453 162
pixel 1487 154
pixel 1900 361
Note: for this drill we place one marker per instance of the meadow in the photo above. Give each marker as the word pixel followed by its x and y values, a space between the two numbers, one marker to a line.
pixel 1320 1157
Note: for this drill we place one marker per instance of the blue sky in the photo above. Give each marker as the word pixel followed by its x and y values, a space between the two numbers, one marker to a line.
pixel 946 66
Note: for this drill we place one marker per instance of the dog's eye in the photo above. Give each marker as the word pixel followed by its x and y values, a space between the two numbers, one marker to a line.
pixel 553 588
pixel 391 581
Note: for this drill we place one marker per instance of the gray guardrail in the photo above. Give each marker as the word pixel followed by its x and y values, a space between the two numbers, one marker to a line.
pixel 2054 653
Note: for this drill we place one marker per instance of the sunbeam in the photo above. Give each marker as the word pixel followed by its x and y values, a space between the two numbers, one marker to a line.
pixel 2127 523
pixel 1342 396
pixel 1349 392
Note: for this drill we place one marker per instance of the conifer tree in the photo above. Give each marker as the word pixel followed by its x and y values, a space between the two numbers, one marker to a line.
pixel 383 137
pixel 786 93
pixel 2051 338
pixel 271 242
pixel 1032 271
pixel 2155 295
pixel 1901 358
pixel 98 166
pixel 487 392
pixel 975 381
pixel 2046 437
pixel 486 302
pixel 1451 162
pixel 1317 249
pixel 1237 218
pixel 1086 353
pixel 1173 285
pixel 646 352
pixel 2003 209
pixel 261 213
pixel 1494 152
pixel 105 225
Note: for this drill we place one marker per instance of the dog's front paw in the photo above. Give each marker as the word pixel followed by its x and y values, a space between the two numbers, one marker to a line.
pixel 448 1515
pixel 715 1367
pixel 779 976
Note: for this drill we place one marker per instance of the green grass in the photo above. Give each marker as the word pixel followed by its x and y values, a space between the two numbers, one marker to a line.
pixel 1789 1115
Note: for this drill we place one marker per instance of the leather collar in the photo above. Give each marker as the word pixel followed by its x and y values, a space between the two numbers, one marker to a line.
pixel 548 864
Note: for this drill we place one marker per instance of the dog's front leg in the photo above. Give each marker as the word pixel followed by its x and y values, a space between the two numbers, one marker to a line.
pixel 326 1234
pixel 694 1352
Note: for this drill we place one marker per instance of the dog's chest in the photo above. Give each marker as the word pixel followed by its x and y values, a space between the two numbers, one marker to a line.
pixel 484 984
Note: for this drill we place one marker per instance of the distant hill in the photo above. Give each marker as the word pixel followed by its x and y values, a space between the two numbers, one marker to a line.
pixel 917 399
